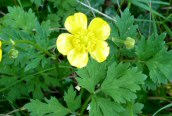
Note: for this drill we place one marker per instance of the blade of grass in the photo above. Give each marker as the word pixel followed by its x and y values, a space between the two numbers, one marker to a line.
pixel 160 2
pixel 155 25
pixel 97 11
pixel 167 29
pixel 155 2
pixel 147 8
pixel 167 106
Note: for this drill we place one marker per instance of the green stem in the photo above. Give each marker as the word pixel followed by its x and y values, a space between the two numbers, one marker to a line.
pixel 117 40
pixel 120 6
pixel 97 91
pixel 31 76
pixel 38 47
pixel 131 109
pixel 129 4
pixel 15 110
pixel 85 104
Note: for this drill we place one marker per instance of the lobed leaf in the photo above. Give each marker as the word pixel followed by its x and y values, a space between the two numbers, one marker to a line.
pixel 91 75
pixel 104 107
pixel 153 53
pixel 73 102
pixel 125 25
pixel 122 82
pixel 52 107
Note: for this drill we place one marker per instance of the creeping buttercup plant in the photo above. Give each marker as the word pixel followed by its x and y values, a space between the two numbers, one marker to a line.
pixel 79 58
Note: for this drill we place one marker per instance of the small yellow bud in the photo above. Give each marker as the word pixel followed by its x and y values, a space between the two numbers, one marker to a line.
pixel 129 43
pixel 13 53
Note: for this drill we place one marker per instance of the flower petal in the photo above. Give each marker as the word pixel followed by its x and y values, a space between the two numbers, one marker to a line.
pixel 101 51
pixel 77 59
pixel 76 22
pixel 100 27
pixel 64 43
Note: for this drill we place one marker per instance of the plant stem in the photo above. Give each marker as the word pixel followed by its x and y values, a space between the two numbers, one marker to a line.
pixel 2 13
pixel 85 104
pixel 129 4
pixel 38 47
pixel 97 91
pixel 119 7
pixel 16 110
pixel 117 40
pixel 31 76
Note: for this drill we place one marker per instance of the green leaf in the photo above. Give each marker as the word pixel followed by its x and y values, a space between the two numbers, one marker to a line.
pixel 4 81
pixel 37 2
pixel 25 21
pixel 148 48
pixel 104 107
pixel 97 4
pixel 125 25
pixel 33 64
pixel 63 7
pixel 42 33
pixel 54 20
pixel 153 53
pixel 52 107
pixel 122 82
pixel 159 67
pixel 51 81
pixel 91 75
pixel 73 102
pixel 132 108
pixel 36 86
pixel 17 91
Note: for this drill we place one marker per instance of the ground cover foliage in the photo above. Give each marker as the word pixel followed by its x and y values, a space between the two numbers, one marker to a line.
pixel 134 80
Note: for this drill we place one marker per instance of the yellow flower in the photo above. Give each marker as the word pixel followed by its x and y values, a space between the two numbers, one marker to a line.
pixel 83 40
pixel 0 51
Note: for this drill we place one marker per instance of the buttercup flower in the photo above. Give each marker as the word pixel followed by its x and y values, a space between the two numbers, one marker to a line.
pixel 0 51
pixel 84 39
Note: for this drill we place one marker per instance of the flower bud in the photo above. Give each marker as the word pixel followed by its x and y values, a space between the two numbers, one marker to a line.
pixel 78 88
pixel 13 53
pixel 129 43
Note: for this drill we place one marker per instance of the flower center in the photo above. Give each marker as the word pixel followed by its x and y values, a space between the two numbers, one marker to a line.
pixel 84 41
